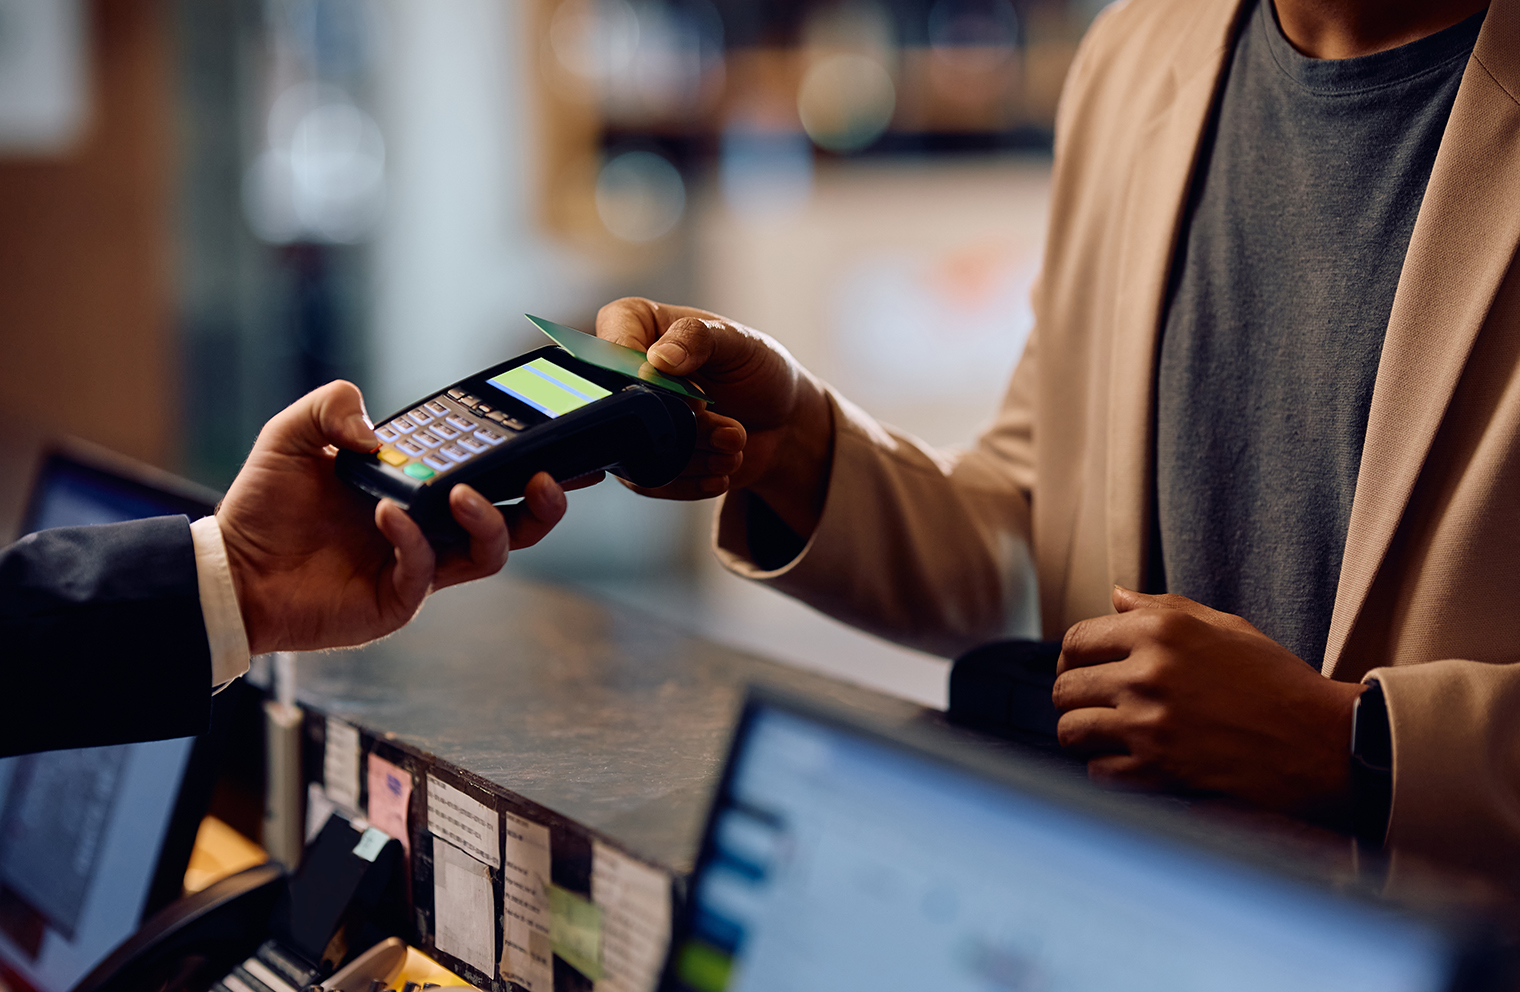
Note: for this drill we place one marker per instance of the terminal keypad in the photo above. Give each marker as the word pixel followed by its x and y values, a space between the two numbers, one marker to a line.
pixel 443 433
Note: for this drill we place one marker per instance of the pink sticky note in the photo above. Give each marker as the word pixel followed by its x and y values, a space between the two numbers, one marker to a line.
pixel 390 789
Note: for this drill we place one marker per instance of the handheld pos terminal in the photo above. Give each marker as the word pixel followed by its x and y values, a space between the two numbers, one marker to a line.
pixel 578 406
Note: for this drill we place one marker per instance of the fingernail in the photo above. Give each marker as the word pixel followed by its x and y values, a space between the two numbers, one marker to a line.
pixel 360 425
pixel 670 353
pixel 728 439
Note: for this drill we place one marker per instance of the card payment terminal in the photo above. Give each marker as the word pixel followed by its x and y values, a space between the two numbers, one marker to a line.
pixel 545 411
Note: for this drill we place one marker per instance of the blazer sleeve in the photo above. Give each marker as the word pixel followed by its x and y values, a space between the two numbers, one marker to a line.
pixel 103 640
pixel 1456 762
pixel 922 546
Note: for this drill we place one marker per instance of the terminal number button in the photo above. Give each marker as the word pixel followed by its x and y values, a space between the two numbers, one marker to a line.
pixel 460 423
pixel 426 439
pixel 455 453
pixel 438 463
pixel 386 434
pixel 403 425
pixel 506 421
pixel 419 417
pixel 435 409
pixel 470 444
pixel 489 436
pixel 443 430
pixel 411 448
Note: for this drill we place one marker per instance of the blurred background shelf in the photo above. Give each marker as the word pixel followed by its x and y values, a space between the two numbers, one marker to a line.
pixel 210 208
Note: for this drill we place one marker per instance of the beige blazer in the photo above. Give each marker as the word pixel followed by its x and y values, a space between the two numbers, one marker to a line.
pixel 933 548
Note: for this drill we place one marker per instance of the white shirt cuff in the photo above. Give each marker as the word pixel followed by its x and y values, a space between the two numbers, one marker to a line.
pixel 219 606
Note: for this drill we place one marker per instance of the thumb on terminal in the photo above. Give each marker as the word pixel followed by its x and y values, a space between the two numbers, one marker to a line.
pixel 344 422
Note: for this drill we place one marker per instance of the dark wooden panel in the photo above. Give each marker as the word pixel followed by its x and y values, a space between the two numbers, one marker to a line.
pixel 85 298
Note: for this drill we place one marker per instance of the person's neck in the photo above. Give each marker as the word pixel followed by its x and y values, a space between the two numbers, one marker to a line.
pixel 1343 29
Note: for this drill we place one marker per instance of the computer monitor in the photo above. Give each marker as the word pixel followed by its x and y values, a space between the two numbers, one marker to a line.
pixel 839 857
pixel 95 839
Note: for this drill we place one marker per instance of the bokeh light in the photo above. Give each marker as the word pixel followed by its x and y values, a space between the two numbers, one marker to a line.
pixel 322 175
pixel 846 101
pixel 974 23
pixel 651 60
pixel 594 39
pixel 973 45
pixel 640 196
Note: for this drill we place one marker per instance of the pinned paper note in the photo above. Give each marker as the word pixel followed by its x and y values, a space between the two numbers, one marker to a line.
pixel 390 790
pixel 464 923
pixel 467 824
pixel 318 809
pixel 371 843
pixel 526 949
pixel 340 764
pixel 575 931
pixel 635 903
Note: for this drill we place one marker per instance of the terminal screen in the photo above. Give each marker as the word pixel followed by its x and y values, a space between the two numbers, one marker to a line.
pixel 548 388
pixel 839 861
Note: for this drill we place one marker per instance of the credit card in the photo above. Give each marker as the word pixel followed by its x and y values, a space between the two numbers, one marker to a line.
pixel 615 358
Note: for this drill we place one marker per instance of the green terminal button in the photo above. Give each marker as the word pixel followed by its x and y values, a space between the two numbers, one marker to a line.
pixel 419 471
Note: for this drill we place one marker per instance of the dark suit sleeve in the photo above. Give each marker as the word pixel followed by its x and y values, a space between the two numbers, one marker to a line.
pixel 101 637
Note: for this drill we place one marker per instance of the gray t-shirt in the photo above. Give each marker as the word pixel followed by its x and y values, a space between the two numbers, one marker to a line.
pixel 1301 214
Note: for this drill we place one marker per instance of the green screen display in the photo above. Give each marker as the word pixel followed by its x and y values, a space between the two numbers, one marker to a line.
pixel 548 388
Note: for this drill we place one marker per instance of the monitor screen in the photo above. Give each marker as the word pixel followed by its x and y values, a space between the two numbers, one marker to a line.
pixel 80 836
pixel 73 492
pixel 840 860
pixel 83 832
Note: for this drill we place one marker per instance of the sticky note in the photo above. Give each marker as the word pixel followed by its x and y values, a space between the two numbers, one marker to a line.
pixel 635 903
pixel 526 948
pixel 464 923
pixel 575 931
pixel 469 825
pixel 390 792
pixel 370 843
pixel 340 764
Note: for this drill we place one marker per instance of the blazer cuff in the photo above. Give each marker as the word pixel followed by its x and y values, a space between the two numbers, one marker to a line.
pixel 1456 792
pixel 225 634
pixel 731 530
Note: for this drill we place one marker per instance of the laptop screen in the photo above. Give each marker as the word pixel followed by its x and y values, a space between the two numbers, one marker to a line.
pixel 837 859
pixel 83 852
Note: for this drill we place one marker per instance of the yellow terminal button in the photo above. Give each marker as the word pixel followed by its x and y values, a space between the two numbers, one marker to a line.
pixel 392 457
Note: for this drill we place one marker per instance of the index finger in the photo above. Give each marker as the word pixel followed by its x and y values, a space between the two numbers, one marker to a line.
pixel 1098 641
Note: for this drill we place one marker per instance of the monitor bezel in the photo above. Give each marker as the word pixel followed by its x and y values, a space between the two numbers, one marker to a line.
pixel 102 465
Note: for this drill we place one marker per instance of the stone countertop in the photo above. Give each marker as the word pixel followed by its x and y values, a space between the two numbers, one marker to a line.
pixel 603 716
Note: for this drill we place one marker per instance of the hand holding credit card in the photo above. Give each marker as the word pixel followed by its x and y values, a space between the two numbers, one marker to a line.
pixel 615 358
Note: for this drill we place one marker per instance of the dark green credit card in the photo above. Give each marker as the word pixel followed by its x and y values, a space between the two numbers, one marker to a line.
pixel 615 358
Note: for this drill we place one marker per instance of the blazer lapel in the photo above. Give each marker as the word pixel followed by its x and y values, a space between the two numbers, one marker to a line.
pixel 1156 207
pixel 1462 248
